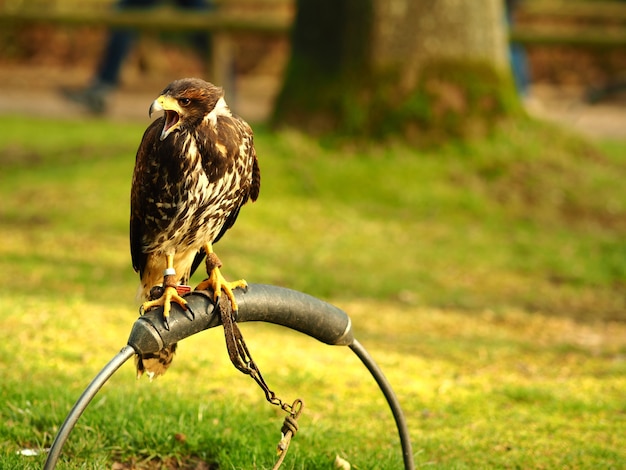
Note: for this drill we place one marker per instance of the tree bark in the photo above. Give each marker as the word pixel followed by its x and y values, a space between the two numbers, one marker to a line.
pixel 418 68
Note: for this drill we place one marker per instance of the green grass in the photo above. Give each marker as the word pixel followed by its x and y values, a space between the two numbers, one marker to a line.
pixel 487 279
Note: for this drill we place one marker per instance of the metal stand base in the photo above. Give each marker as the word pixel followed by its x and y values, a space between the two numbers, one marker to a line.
pixel 271 304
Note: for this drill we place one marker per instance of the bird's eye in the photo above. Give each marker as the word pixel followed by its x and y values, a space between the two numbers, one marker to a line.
pixel 184 101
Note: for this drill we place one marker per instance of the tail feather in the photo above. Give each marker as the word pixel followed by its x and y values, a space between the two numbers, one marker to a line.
pixel 155 364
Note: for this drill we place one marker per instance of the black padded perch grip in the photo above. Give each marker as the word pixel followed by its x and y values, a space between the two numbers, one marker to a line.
pixel 260 302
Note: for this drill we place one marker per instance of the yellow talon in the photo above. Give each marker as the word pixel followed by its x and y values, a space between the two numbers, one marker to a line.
pixel 169 295
pixel 216 282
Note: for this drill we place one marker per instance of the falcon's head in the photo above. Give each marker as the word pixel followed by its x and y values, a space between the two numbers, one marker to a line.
pixel 187 102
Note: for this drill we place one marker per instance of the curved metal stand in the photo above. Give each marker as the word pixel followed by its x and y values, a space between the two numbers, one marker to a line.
pixel 90 392
pixel 271 304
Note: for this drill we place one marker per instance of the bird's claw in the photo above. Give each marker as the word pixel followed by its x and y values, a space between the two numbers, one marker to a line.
pixel 168 295
pixel 143 310
pixel 189 313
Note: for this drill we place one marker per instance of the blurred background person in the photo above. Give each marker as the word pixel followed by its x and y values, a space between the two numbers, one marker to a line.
pixel 517 53
pixel 120 41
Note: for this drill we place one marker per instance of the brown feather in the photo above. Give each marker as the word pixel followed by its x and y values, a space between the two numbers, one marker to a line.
pixel 189 186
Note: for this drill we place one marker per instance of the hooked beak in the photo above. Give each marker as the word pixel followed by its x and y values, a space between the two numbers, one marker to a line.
pixel 172 113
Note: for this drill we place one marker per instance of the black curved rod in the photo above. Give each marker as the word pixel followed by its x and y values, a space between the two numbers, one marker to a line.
pixel 286 307
pixel 90 392
pixel 392 400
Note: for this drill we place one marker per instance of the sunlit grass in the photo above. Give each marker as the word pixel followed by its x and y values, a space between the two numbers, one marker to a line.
pixel 531 218
pixel 486 279
pixel 487 389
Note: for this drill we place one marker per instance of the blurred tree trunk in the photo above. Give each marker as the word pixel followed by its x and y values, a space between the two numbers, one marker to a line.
pixel 420 68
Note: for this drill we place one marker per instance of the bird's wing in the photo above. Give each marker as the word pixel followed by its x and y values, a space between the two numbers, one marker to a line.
pixel 255 186
pixel 237 130
pixel 137 196
pixel 250 193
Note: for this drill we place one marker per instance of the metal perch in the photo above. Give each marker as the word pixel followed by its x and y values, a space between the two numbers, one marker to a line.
pixel 271 304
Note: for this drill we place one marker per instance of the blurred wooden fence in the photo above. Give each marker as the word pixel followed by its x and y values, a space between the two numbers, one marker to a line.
pixel 231 17
pixel 571 23
pixel 539 22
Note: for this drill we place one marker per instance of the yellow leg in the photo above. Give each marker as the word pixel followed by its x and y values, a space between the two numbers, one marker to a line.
pixel 216 282
pixel 169 292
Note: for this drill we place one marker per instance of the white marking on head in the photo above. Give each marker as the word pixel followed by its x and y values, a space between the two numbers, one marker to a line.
pixel 220 109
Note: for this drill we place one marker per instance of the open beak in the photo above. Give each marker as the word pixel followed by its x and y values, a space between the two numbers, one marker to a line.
pixel 172 112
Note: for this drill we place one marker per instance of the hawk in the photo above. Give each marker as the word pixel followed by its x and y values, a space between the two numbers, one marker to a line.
pixel 195 168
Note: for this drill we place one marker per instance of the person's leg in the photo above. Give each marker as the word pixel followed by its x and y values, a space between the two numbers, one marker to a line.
pixel 118 46
pixel 519 64
pixel 199 39
pixel 106 78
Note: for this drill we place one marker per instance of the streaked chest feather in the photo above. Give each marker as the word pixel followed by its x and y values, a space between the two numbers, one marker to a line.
pixel 190 211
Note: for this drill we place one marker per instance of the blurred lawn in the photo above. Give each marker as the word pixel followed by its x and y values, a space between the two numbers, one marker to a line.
pixel 487 279
pixel 532 218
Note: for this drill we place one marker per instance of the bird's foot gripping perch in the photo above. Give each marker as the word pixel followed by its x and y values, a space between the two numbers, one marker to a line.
pixel 217 283
pixel 164 296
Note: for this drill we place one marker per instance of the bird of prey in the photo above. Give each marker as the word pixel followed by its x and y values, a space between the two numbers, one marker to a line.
pixel 195 168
